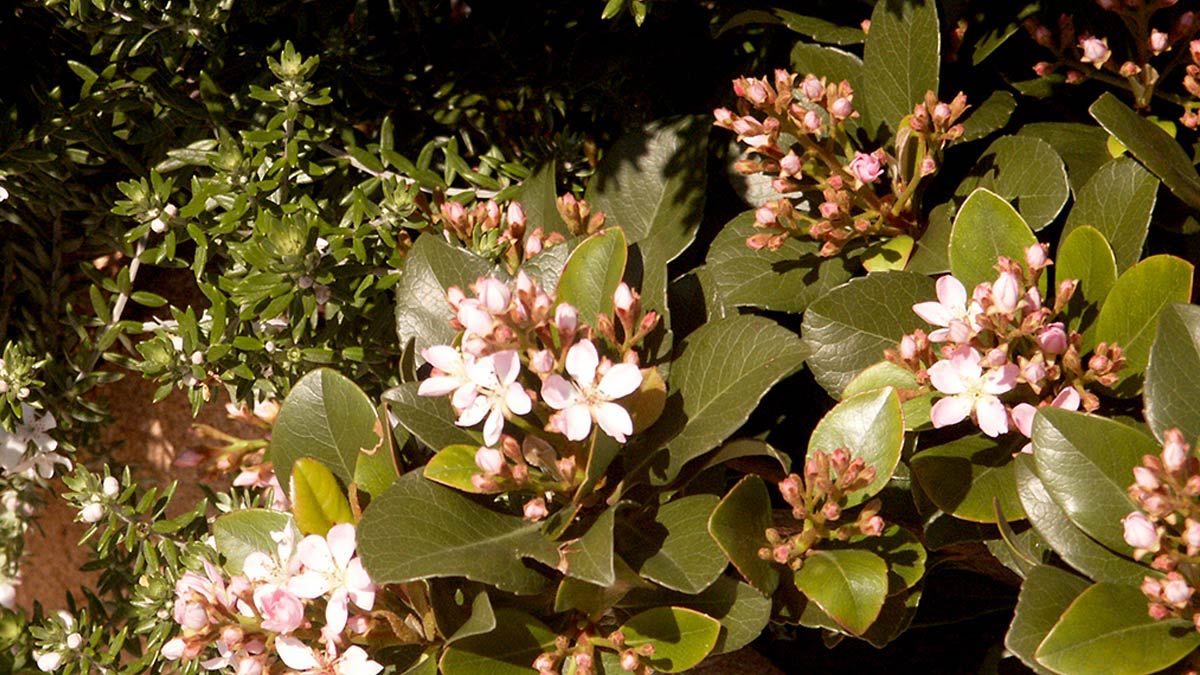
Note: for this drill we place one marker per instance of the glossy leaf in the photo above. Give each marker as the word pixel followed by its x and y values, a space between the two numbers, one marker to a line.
pixel 742 611
pixel 327 417
pixel 376 469
pixel 1106 629
pixel 931 255
pixel 240 533
pixel 510 649
pixel 962 477
pixel 829 62
pixel 590 558
pixel 453 467
pixel 674 549
pixel 1172 387
pixel 850 585
pixel 869 425
pixel 1045 595
pixel 985 228
pixel 1026 172
pixel 901 59
pixel 317 500
pixel 1085 255
pixel 725 368
pixel 1150 145
pixel 1086 463
pixel 419 529
pixel 1072 544
pixel 990 116
pixel 819 29
pixel 739 525
pixel 538 197
pixel 1117 201
pixel 681 637
pixel 900 549
pixel 592 274
pixel 1081 146
pixel 786 280
pixel 916 408
pixel 1130 314
pixel 432 266
pixel 429 419
pixel 847 329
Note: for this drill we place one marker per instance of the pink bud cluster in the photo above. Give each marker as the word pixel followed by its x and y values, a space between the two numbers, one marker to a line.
pixel 526 360
pixel 1191 82
pixel 581 220
pixel 493 231
pixel 818 501
pixel 1002 352
pixel 1166 490
pixel 576 654
pixel 263 616
pixel 862 199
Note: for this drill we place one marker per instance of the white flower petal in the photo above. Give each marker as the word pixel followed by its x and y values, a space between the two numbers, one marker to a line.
pixel 438 385
pixel 578 419
pixel 949 410
pixel 614 420
pixel 517 399
pixel 582 361
pixel 444 357
pixel 341 543
pixel 493 426
pixel 992 416
pixel 621 380
pixel 507 366
pixel 295 654
pixel 313 551
pixel 558 393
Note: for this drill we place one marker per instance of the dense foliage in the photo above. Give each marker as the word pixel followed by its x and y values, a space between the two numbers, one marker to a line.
pixel 609 337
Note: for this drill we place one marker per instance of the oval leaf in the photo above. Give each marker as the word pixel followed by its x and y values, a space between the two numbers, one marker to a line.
pixel 675 549
pixel 1085 255
pixel 1172 387
pixel 739 525
pixel 326 417
pixel 962 477
pixel 317 500
pixel 1027 172
pixel 240 533
pixel 453 467
pixel 432 266
pixel 681 637
pixel 1045 595
pixel 1151 145
pixel 871 427
pixel 592 274
pixel 901 59
pixel 850 585
pixel 510 649
pixel 1117 200
pixel 429 419
pixel 985 228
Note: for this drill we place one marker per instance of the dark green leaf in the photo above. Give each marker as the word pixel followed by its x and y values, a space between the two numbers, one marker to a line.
pixel 681 637
pixel 962 477
pixel 742 611
pixel 431 267
pixel 1117 201
pixel 1086 256
pixel 674 549
pixel 1151 146
pixel 240 533
pixel 1045 595
pixel 829 62
pixel 429 419
pixel 510 649
pixel 901 60
pixel 739 525
pixel 538 197
pixel 850 585
pixel 986 228
pixel 590 558
pixel 990 116
pixel 1082 146
pixel 1172 385
pixel 1026 172
pixel 870 426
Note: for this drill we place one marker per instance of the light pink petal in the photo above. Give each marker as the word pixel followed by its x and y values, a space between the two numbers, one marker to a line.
pixel 308 585
pixel 1022 417
pixel 621 380
pixel 444 357
pixel 474 318
pixel 933 312
pixel 582 361
pixel 438 385
pixel 558 393
pixel 493 294
pixel 1067 399
pixel 949 410
pixel 295 654
pixel 313 551
pixel 1002 379
pixel 483 373
pixel 474 413
pixel 517 399
pixel 946 379
pixel 578 420
pixel 614 420
pixel 958 332
pixel 341 543
pixel 354 661
pixel 992 416
pixel 951 293
pixel 507 365
pixel 939 335
pixel 463 396
pixel 362 589
pixel 493 426
pixel 336 611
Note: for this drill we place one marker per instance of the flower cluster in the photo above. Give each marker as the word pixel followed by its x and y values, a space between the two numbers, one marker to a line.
pixel 1166 489
pixel 576 654
pixel 818 500
pixel 494 232
pixel 1002 351
pixel 803 143
pixel 18 496
pixel 1080 55
pixel 526 362
pixel 17 455
pixel 267 615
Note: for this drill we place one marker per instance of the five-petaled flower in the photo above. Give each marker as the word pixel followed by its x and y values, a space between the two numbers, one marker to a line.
pixel 956 317
pixel 331 568
pixel 584 400
pixel 971 391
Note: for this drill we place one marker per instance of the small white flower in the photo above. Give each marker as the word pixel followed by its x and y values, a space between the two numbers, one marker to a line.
pixel 584 400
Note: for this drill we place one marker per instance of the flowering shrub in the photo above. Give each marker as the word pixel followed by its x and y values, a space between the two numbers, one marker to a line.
pixel 532 392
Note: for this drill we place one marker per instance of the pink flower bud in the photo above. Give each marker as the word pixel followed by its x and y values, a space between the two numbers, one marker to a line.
pixel 791 488
pixel 790 164
pixel 928 166
pixel 1158 41
pixel 908 348
pixel 842 108
pixel 1110 5
pixel 533 244
pixel 1159 612
pixel 1175 450
pixel 812 121
pixel 1191 536
pixel 516 214
pixel 781 553
pixel 873 527
pixel 1095 50
pixel 1035 256
pixel 542 362
pixel 866 167
pixel 173 649
pixel 493 294
pixel 1043 68
pixel 831 511
pixel 765 216
pixel 738 87
pixel 566 318
pixel 1006 292
pixel 1176 590
pixel 941 113
pixel 1053 338
pixel 813 89
pixel 535 509
pixel 1140 532
pixel 490 460
pixel 724 117
pixel 453 211
pixel 757 92
pixel 829 210
pixel 1034 372
pixel 1145 478
pixel 630 660
pixel 1043 36
pixel 623 298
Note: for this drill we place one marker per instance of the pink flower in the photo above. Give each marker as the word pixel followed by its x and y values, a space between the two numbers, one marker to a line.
pixel 1022 414
pixel 1053 338
pixel 1140 531
pixel 1095 50
pixel 584 400
pixel 1176 590
pixel 497 394
pixel 305 660
pixel 866 167
pixel 971 391
pixel 330 567
pixel 173 649
pixel 281 611
pixel 451 377
pixel 951 311
pixel 535 509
